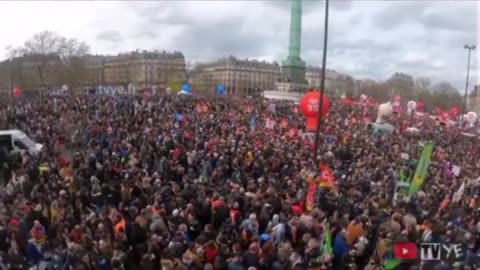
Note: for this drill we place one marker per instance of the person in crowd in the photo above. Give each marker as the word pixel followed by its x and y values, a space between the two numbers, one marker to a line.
pixel 129 182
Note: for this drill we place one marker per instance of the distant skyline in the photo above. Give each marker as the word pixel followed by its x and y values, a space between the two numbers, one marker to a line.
pixel 367 39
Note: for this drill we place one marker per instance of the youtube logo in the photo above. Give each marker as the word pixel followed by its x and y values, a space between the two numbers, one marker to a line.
pixel 405 251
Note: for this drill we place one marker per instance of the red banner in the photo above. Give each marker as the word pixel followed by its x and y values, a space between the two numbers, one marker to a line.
pixel 312 189
pixel 326 177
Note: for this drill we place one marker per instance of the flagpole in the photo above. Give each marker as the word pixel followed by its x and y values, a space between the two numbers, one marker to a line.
pixel 322 82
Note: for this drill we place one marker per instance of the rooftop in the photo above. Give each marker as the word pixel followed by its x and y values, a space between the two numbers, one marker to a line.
pixel 244 62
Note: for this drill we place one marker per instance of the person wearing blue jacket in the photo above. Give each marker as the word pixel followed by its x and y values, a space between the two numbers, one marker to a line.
pixel 340 249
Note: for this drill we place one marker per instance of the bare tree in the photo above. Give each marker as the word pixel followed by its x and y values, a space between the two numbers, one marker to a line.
pixel 422 84
pixel 445 95
pixel 402 84
pixel 47 45
pixel 188 71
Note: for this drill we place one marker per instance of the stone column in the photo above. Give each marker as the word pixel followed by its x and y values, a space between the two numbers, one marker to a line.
pixel 295 43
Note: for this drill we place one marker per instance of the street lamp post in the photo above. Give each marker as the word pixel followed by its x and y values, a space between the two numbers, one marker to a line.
pixel 469 48
pixel 322 82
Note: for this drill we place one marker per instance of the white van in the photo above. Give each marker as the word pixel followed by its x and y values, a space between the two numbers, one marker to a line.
pixel 17 141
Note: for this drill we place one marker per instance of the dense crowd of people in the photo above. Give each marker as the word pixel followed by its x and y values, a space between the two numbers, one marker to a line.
pixel 166 183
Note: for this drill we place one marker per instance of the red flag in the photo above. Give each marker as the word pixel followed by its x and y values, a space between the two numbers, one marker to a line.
pixel 284 123
pixel 311 195
pixel 16 91
pixel 438 111
pixel 326 177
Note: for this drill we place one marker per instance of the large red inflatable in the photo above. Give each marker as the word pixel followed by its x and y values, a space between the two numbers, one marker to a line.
pixel 309 105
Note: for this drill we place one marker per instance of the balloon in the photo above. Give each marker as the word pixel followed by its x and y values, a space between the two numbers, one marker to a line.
pixel 168 90
pixel 220 89
pixel 420 106
pixel 412 105
pixel 64 88
pixel 471 117
pixel 384 110
pixel 309 107
pixel 186 88
pixel 454 111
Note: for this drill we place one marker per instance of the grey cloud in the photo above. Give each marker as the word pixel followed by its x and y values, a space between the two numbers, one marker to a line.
pixel 310 5
pixel 452 23
pixel 224 40
pixel 398 13
pixel 111 36
pixel 363 42
pixel 148 33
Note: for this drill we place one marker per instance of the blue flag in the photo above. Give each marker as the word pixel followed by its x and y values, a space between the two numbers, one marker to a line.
pixel 178 117
pixel 253 123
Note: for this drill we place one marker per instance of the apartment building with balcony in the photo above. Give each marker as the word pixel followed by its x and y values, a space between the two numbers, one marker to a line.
pixel 238 76
pixel 335 82
pixel 144 69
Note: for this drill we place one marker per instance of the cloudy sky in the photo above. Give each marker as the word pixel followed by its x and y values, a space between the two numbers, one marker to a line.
pixel 368 39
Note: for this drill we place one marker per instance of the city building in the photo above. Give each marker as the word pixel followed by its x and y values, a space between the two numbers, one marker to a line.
pixel 144 69
pixel 5 78
pixel 239 77
pixel 474 100
pixel 94 66
pixel 335 83
pixel 31 72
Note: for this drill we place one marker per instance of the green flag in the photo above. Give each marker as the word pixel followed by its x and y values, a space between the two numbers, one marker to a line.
pixel 391 264
pixel 422 168
pixel 327 245
pixel 403 176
